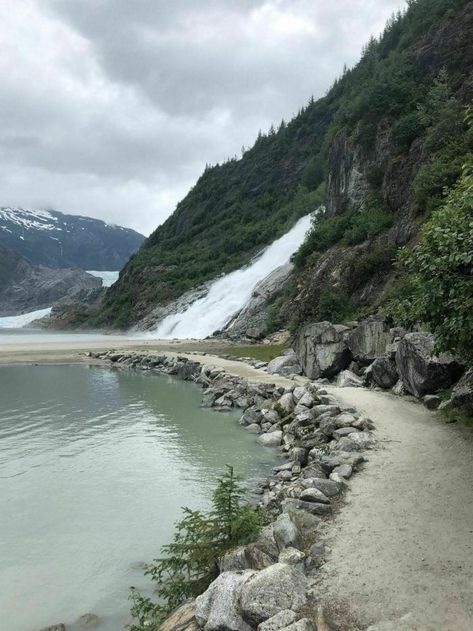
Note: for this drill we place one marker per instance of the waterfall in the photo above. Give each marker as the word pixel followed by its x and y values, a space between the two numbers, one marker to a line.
pixel 229 294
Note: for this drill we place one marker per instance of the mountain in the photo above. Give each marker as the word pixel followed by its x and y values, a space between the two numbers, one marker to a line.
pixel 374 155
pixel 25 287
pixel 49 237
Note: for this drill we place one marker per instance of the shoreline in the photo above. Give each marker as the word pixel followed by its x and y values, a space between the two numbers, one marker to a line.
pixel 300 495
pixel 392 489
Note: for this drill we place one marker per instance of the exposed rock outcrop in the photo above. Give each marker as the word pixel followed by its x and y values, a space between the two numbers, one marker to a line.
pixel 25 287
pixel 252 320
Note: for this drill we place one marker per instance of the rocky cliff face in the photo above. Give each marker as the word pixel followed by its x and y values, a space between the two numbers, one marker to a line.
pixel 376 168
pixel 25 287
pixel 54 239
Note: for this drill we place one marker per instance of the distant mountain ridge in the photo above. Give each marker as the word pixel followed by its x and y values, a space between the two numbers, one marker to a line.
pixel 55 239
pixel 25 287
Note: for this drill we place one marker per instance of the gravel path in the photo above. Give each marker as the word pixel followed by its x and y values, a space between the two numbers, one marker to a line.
pixel 403 544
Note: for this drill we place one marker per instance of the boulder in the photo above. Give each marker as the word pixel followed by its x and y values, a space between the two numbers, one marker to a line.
pixel 181 619
pixel 249 557
pixel 328 487
pixel 314 495
pixel 217 608
pixel 314 508
pixel 421 371
pixel 286 533
pixel 285 365
pixel 355 442
pixel 254 428
pixel 251 415
pixel 282 619
pixel 369 340
pixel 348 379
pixel 462 394
pixel 344 431
pixel 271 590
pixel 88 621
pixel 384 372
pixel 321 349
pixel 344 471
pixel 291 556
pixel 271 439
pixel 304 624
pixel 431 401
pixel 286 402
pixel 306 523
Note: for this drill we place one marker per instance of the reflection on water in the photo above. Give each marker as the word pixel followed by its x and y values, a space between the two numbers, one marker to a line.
pixel 94 467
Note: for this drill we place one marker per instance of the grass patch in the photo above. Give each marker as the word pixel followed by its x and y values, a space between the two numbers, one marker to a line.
pixel 263 352
pixel 461 415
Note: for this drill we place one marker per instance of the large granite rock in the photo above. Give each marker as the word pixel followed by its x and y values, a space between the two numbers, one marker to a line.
pixel 217 608
pixel 285 364
pixel 462 394
pixel 181 619
pixel 268 592
pixel 421 371
pixel 369 340
pixel 384 372
pixel 322 350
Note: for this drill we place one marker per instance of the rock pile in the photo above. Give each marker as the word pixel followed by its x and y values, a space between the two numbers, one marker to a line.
pixel 370 353
pixel 266 585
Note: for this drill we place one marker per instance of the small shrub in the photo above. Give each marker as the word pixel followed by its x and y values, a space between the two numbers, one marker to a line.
pixel 379 259
pixel 373 219
pixel 190 563
pixel 335 305
pixel 407 129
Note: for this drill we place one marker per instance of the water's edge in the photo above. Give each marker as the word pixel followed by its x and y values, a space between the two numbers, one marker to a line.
pixel 294 492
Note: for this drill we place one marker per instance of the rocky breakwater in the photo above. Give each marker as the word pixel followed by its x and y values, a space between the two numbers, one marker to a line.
pixel 268 584
pixel 373 354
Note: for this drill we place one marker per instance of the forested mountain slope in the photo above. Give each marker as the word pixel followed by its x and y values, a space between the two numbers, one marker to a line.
pixel 376 151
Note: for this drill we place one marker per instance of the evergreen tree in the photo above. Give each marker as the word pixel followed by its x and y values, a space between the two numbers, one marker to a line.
pixel 190 562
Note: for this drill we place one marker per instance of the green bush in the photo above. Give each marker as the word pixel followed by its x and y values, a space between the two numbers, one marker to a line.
pixel 407 129
pixel 380 258
pixel 335 305
pixel 439 272
pixel 370 221
pixel 190 563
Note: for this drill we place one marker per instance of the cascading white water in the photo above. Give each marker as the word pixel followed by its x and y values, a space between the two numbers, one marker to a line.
pixel 229 294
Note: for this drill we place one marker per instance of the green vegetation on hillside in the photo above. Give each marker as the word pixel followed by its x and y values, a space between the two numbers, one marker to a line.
pixel 190 563
pixel 436 286
pixel 238 207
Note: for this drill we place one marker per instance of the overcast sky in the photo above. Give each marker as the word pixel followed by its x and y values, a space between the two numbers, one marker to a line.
pixel 111 108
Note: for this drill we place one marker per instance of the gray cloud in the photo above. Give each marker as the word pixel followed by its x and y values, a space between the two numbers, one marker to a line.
pixel 112 108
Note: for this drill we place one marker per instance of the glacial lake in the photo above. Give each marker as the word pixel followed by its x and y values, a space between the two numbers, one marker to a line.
pixel 95 466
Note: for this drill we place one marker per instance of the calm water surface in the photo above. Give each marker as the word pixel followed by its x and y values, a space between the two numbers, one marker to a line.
pixel 94 467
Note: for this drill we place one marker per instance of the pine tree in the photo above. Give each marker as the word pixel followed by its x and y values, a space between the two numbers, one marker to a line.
pixel 190 562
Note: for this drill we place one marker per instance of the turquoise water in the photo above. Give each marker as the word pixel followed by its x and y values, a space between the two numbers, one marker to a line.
pixel 95 465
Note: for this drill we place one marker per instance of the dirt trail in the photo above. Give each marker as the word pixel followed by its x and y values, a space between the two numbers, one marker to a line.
pixel 403 544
